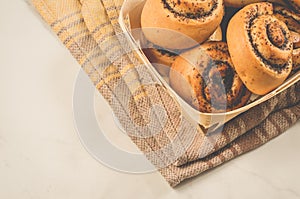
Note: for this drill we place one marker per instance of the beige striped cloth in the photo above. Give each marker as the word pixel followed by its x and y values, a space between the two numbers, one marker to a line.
pixel 150 115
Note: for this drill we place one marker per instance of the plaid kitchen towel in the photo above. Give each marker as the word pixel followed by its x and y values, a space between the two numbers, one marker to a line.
pixel 150 115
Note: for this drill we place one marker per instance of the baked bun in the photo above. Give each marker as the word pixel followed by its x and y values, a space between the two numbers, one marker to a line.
pixel 160 58
pixel 180 24
pixel 292 20
pixel 260 47
pixel 204 78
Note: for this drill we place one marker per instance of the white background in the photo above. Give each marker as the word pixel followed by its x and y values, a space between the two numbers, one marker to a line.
pixel 40 152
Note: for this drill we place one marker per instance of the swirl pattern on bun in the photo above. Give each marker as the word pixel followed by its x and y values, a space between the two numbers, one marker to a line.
pixel 292 20
pixel 180 24
pixel 261 47
pixel 205 78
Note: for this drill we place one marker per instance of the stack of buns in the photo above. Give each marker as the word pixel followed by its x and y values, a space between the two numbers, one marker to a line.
pixel 214 69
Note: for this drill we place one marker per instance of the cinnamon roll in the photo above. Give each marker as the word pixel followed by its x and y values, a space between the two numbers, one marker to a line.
pixel 292 20
pixel 160 58
pixel 260 46
pixel 179 24
pixel 204 78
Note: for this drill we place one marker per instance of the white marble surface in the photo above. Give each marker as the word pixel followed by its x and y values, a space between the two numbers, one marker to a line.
pixel 40 152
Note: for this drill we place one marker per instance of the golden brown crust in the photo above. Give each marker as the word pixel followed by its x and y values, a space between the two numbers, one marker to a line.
pixel 161 59
pixel 292 20
pixel 204 77
pixel 187 22
pixel 260 47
